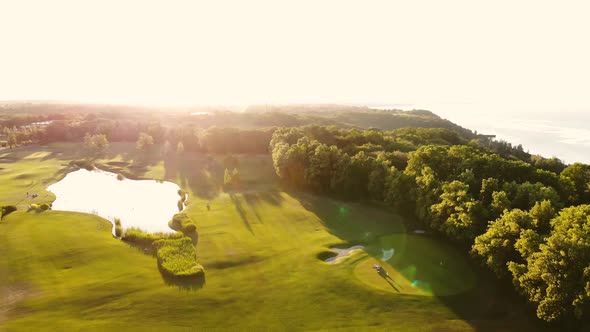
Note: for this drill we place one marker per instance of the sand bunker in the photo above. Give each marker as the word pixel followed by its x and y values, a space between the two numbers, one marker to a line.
pixel 341 253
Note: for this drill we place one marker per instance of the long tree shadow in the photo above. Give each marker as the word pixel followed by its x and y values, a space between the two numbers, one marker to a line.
pixel 202 174
pixel 253 200
pixel 241 211
pixel 351 222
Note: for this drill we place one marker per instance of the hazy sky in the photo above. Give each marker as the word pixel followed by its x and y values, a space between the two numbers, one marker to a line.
pixel 186 52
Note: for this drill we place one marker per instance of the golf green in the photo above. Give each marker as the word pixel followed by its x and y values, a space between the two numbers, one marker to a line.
pixel 417 265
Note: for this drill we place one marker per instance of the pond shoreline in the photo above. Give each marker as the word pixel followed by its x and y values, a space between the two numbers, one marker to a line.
pixel 147 204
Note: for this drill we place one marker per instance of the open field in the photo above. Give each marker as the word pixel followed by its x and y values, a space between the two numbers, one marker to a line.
pixel 259 246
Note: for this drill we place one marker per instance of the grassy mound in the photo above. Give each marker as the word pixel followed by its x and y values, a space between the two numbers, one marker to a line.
pixel 178 258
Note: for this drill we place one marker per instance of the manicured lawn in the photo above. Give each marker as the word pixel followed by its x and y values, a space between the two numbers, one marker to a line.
pixel 259 247
pixel 420 265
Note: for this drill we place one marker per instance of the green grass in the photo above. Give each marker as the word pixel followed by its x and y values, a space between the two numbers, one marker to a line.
pixel 64 270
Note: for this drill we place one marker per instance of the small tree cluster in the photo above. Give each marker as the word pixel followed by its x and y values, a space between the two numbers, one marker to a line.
pixel 231 179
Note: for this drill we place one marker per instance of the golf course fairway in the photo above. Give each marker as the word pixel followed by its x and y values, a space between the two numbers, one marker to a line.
pixel 259 246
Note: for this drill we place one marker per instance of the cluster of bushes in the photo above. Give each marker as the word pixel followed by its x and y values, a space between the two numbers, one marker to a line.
pixel 6 210
pixel 231 179
pixel 182 222
pixel 82 164
pixel 39 207
pixel 178 258
pixel 140 238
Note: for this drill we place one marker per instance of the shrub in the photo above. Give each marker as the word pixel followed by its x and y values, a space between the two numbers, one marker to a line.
pixel 117 222
pixel 182 194
pixel 34 207
pixel 190 228
pixel 6 210
pixel 178 258
pixel 3 144
pixel 183 223
pixel 118 231
pixel 120 177
pixel 44 207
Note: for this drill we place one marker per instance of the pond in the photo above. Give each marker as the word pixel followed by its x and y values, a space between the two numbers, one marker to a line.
pixel 146 204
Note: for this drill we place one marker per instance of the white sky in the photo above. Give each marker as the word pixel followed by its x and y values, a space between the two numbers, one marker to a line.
pixel 385 52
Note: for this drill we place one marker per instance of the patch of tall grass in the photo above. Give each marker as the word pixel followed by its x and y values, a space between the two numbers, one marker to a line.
pixel 138 237
pixel 118 228
pixel 178 258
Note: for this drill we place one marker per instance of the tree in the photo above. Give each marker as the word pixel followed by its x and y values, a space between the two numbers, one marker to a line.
pixel 542 213
pixel 457 213
pixel 427 192
pixel 496 245
pixel 179 148
pixel 144 142
pixel 96 143
pixel 166 148
pixel 557 276
pixel 12 138
pixel 291 161
pixel 227 178
pixel 580 175
pixel 322 164
pixel 235 177
pixel 500 202
pixel 401 192
pixel 377 177
pixel 488 187
pixel 231 178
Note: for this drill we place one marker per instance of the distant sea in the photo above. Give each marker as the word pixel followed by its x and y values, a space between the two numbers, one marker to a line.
pixel 561 133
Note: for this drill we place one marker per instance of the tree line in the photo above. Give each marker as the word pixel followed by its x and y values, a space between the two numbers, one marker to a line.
pixel 188 137
pixel 529 222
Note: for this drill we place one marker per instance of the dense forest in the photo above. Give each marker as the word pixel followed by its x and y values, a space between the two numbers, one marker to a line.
pixel 525 217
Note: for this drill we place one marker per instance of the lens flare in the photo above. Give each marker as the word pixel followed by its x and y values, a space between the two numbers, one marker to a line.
pixel 387 254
